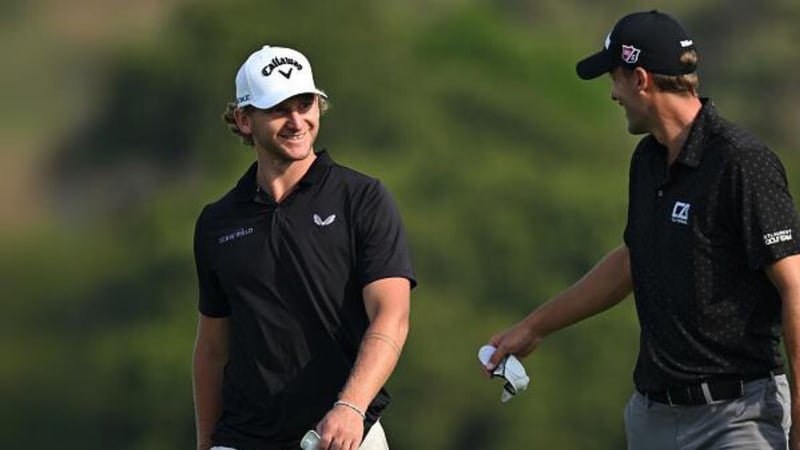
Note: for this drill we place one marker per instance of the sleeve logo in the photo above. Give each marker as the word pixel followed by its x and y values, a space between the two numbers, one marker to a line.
pixel 778 236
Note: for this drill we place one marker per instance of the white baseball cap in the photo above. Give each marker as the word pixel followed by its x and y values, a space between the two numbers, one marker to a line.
pixel 273 74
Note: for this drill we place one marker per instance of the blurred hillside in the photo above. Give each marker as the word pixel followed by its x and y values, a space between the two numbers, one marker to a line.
pixel 510 173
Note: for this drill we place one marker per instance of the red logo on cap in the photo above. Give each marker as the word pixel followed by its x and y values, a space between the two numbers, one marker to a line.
pixel 630 54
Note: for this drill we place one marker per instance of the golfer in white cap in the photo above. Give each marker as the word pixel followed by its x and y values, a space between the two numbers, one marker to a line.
pixel 304 281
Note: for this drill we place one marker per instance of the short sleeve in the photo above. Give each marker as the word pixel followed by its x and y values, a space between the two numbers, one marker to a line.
pixel 212 301
pixel 382 247
pixel 769 221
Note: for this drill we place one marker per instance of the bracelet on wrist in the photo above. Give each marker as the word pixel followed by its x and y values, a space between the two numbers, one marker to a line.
pixel 351 406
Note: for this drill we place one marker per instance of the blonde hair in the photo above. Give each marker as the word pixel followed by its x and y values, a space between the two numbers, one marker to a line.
pixel 229 117
pixel 687 83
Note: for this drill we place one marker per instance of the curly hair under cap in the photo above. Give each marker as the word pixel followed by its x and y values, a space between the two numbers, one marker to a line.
pixel 230 119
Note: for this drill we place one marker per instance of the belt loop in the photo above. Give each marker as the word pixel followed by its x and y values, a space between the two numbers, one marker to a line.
pixel 669 398
pixel 706 392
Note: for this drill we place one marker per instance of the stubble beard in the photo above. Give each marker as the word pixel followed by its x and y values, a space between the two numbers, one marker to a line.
pixel 283 153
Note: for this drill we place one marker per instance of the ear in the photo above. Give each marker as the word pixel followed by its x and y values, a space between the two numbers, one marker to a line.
pixel 242 121
pixel 642 78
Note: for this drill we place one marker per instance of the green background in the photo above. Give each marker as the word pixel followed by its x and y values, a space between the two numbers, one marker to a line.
pixel 510 172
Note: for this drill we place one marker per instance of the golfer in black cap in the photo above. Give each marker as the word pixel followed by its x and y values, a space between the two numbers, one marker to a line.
pixel 710 253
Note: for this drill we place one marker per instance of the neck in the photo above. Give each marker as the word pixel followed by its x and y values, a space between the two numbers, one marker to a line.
pixel 279 176
pixel 676 114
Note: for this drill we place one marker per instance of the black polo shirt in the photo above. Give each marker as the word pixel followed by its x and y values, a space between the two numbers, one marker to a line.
pixel 699 234
pixel 290 277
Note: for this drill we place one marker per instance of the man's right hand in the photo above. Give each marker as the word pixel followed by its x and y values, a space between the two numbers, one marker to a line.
pixel 519 340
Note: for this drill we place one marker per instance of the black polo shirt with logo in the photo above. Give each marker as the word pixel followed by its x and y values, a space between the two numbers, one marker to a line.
pixel 700 233
pixel 290 277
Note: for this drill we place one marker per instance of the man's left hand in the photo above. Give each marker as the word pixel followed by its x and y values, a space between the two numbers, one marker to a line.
pixel 341 429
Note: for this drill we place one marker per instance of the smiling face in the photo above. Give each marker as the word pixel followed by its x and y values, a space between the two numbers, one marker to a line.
pixel 626 90
pixel 287 131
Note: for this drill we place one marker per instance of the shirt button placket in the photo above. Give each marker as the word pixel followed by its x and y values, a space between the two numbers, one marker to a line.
pixel 275 229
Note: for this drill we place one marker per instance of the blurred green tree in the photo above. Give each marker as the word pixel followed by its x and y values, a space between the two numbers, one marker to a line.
pixel 509 171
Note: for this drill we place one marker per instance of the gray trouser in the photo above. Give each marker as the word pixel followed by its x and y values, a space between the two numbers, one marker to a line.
pixel 760 419
pixel 374 440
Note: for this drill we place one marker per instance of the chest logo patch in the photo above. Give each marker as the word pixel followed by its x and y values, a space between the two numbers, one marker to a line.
pixel 319 221
pixel 240 233
pixel 680 213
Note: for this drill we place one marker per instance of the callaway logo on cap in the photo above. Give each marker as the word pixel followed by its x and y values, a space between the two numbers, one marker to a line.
pixel 652 40
pixel 273 74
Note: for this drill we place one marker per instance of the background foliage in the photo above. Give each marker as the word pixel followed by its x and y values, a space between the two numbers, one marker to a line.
pixel 510 173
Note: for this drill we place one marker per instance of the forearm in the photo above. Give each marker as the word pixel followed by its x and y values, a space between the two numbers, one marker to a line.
pixel 386 303
pixel 791 339
pixel 208 365
pixel 377 357
pixel 207 384
pixel 785 275
pixel 601 288
pixel 608 283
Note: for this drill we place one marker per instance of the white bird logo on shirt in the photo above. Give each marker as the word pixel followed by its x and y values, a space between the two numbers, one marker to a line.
pixel 324 223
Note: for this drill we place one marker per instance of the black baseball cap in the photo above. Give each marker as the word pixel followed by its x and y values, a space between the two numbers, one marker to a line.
pixel 652 40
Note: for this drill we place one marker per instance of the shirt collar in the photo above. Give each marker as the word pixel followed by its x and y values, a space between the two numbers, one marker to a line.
pixel 247 187
pixel 702 128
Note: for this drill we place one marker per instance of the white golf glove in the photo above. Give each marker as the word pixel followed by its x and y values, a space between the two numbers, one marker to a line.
pixel 509 369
